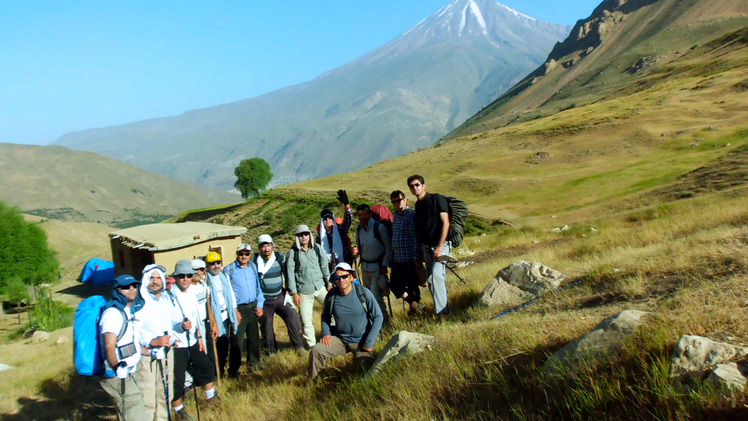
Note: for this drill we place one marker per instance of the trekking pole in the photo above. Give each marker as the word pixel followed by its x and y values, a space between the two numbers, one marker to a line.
pixel 389 304
pixel 122 395
pixel 450 259
pixel 535 300
pixel 194 386
pixel 165 378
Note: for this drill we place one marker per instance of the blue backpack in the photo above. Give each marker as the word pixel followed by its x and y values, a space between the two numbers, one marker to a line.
pixel 88 348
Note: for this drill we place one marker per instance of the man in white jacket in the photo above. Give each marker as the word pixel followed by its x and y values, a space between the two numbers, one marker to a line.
pixel 158 323
pixel 189 349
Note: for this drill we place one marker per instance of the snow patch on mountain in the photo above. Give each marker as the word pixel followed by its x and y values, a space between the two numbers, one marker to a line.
pixel 516 13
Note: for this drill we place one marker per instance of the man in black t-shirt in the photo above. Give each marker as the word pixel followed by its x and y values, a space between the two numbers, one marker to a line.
pixel 432 228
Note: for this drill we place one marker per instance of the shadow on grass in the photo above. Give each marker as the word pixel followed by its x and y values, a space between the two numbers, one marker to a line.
pixel 75 398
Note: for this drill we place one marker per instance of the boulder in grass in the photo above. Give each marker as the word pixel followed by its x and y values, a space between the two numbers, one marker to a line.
pixel 40 336
pixel 5 367
pixel 696 355
pixel 606 337
pixel 731 377
pixel 403 344
pixel 520 282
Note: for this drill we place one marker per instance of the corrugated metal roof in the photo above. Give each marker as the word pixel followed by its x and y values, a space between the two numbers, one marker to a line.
pixel 157 237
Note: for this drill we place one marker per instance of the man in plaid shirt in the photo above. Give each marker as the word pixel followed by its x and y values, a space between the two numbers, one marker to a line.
pixel 403 276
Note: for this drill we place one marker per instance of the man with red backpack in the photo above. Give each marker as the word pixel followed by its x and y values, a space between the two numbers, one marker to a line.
pixel 375 249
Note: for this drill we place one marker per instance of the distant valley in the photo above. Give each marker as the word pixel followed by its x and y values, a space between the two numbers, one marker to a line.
pixel 59 183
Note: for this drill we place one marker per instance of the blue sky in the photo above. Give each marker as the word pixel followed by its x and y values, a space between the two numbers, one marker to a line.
pixel 73 65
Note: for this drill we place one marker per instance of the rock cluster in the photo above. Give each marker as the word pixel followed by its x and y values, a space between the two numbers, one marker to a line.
pixel 520 282
pixel 725 365
pixel 402 344
pixel 605 338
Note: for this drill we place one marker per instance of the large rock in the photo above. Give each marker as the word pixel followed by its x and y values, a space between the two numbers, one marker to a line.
pixel 402 344
pixel 40 336
pixel 696 355
pixel 606 337
pixel 729 376
pixel 519 282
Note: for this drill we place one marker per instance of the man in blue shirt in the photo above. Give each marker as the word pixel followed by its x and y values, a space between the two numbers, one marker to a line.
pixel 245 283
pixel 351 321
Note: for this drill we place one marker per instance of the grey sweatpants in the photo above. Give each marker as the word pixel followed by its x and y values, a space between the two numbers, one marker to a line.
pixel 321 353
pixel 437 278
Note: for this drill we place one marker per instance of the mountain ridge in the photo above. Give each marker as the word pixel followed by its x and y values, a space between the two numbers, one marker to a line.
pixel 395 99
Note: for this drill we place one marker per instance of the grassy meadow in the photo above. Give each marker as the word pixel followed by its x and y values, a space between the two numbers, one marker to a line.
pixel 653 184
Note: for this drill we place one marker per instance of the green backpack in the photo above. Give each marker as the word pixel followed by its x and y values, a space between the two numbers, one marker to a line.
pixel 458 213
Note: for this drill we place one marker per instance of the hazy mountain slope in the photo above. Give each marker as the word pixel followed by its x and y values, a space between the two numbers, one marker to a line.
pixel 60 183
pixel 607 53
pixel 398 98
pixel 677 117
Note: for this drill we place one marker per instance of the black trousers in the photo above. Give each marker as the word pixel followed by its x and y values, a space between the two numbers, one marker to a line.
pixel 197 363
pixel 272 306
pixel 403 278
pixel 247 338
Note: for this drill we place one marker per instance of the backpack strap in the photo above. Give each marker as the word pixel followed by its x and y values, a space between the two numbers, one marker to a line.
pixel 125 321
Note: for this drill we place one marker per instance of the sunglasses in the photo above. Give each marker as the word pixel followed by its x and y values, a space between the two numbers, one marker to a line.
pixel 216 263
pixel 184 275
pixel 414 185
pixel 246 253
pixel 302 234
pixel 327 217
pixel 126 287
pixel 339 277
pixel 396 201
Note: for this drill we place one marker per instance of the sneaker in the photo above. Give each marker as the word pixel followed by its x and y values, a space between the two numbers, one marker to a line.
pixel 183 415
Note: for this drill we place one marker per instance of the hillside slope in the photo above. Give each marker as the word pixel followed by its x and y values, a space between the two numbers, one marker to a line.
pixel 393 100
pixel 609 54
pixel 59 183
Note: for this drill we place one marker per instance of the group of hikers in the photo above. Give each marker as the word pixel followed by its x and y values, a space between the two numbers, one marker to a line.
pixel 160 341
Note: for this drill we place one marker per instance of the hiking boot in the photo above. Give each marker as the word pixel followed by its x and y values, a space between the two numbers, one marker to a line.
pixel 215 400
pixel 183 415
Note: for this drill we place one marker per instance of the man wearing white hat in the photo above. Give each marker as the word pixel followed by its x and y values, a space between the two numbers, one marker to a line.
pixel 351 321
pixel 308 271
pixel 271 266
pixel 250 301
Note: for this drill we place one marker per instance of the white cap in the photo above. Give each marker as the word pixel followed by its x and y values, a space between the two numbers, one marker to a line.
pixel 198 264
pixel 244 246
pixel 265 238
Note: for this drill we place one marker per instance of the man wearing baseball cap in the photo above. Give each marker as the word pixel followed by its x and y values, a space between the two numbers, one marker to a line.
pixel 223 307
pixel 351 321
pixel 271 266
pixel 121 352
pixel 250 301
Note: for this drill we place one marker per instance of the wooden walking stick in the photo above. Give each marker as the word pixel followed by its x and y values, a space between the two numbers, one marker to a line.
pixel 213 325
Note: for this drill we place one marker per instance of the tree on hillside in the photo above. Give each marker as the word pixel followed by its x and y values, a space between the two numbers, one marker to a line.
pixel 252 175
pixel 24 255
